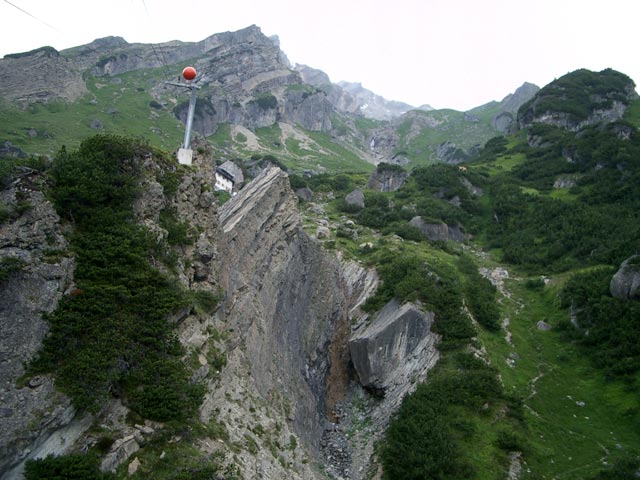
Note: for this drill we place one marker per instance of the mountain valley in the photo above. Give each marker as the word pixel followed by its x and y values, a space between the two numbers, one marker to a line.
pixel 391 292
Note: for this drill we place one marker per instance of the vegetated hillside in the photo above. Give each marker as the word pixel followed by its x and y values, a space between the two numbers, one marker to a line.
pixel 579 99
pixel 245 80
pixel 422 137
pixel 555 212
pixel 251 101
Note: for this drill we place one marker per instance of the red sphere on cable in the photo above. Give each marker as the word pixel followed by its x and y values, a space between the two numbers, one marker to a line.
pixel 189 73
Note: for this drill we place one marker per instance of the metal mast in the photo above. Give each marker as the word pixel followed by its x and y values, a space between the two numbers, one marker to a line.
pixel 185 154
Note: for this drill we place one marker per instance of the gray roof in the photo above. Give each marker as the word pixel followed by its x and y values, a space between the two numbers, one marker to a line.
pixel 233 170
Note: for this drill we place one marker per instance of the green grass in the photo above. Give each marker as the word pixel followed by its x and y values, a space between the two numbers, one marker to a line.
pixel 120 103
pixel 222 136
pixel 486 112
pixel 270 137
pixel 529 191
pixel 568 441
pixel 632 115
pixel 338 159
pixel 563 194
pixel 503 163
pixel 448 125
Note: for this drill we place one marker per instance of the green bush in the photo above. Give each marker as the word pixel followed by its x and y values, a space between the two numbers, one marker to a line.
pixel 613 325
pixel 423 439
pixel 66 467
pixel 178 233
pixel 625 469
pixel 113 336
pixel 266 101
pixel 9 265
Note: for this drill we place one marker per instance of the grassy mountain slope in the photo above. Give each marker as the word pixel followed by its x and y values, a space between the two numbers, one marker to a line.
pixel 120 104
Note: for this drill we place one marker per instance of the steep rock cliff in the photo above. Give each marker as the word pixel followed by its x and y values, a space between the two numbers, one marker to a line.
pixel 286 304
pixel 40 76
pixel 31 412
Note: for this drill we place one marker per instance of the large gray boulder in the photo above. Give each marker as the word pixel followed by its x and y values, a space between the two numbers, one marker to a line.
pixel 387 180
pixel 304 194
pixel 437 231
pixel 355 198
pixel 625 284
pixel 393 347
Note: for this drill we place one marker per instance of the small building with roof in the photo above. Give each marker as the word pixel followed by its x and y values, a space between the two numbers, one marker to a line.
pixel 229 177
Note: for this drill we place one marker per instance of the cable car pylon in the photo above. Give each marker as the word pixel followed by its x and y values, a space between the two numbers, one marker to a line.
pixel 185 154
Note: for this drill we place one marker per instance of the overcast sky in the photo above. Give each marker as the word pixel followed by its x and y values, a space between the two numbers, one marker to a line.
pixel 446 53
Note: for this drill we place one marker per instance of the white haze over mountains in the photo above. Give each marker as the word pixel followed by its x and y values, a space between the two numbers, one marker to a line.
pixel 446 53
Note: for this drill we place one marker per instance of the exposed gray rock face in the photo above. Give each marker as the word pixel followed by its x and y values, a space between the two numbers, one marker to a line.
pixel 372 105
pixel 503 122
pixel 543 326
pixel 566 121
pixel 625 284
pixel 349 97
pixel 31 413
pixel 355 198
pixel 121 450
pixel 395 353
pixel 387 180
pixel 285 303
pixel 360 284
pixel 512 102
pixel 304 194
pixel 437 231
pixel 237 71
pixel 449 152
pixel 50 76
pixel 388 350
pixel 8 149
pixel 564 182
pixel 312 76
pixel 473 190
pixel 311 111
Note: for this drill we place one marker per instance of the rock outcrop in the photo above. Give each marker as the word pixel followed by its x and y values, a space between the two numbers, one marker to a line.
pixel 625 284
pixel 391 355
pixel 580 99
pixel 355 198
pixel 32 242
pixel 449 152
pixel 512 102
pixel 374 106
pixel 395 345
pixel 437 231
pixel 387 180
pixel 51 76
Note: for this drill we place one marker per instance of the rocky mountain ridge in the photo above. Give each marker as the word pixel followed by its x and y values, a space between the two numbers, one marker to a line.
pixel 247 84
